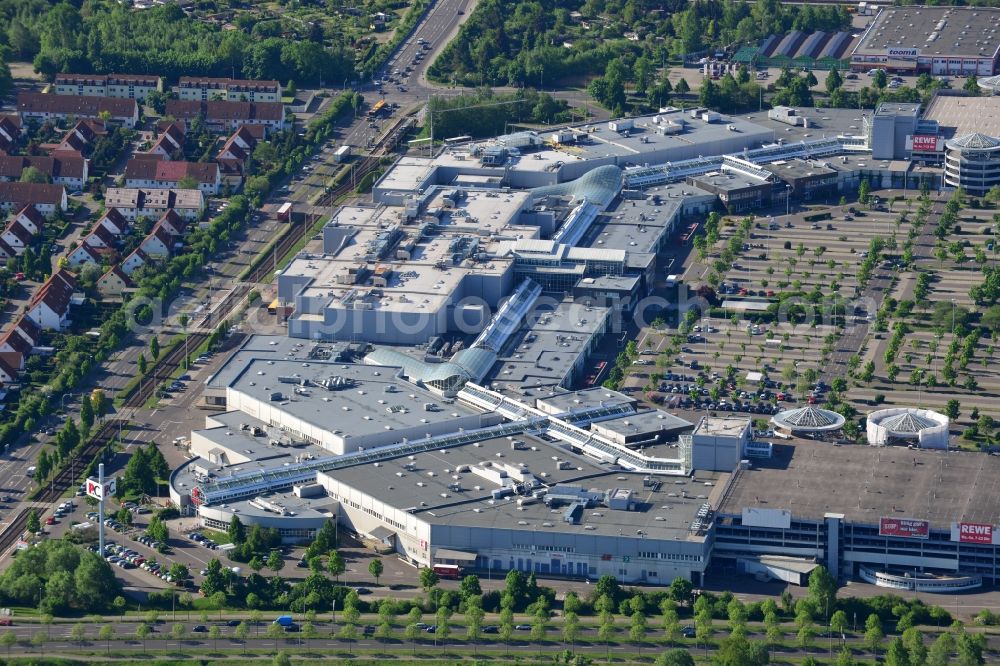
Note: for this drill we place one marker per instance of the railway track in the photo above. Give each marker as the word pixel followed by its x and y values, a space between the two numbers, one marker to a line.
pixel 64 479
pixel 368 164
pixel 164 368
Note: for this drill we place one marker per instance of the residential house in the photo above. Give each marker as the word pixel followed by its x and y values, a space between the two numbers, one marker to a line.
pixel 203 89
pixel 114 222
pixel 47 199
pixel 170 141
pixel 173 223
pixel 122 86
pixel 133 203
pixel 158 244
pixel 21 338
pixel 84 254
pixel 21 232
pixel 16 238
pixel 63 167
pixel 42 107
pixel 50 306
pixel 149 171
pixel 228 116
pixel 80 138
pixel 235 153
pixel 10 132
pixel 133 262
pixel 11 365
pixel 101 238
pixel 114 283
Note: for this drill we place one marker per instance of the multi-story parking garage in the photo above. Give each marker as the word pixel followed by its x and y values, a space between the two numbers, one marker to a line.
pixel 973 163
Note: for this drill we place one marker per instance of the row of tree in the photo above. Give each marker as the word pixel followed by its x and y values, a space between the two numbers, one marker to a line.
pixel 108 37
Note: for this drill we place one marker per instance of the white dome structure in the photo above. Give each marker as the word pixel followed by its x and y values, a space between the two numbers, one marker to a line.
pixel 808 419
pixel 923 427
pixel 990 85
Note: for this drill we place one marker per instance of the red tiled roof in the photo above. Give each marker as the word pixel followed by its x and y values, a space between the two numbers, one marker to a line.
pixel 29 330
pixel 31 193
pixel 16 341
pixel 28 102
pixel 10 363
pixel 62 164
pixel 19 231
pixel 32 215
pixel 115 218
pixel 56 292
pixel 148 168
pixel 220 110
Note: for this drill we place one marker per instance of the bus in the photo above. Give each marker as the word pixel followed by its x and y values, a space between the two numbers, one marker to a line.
pixel 448 570
pixel 376 109
pixel 285 211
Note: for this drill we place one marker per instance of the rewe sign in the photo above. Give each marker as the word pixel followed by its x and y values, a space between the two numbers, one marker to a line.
pixel 975 533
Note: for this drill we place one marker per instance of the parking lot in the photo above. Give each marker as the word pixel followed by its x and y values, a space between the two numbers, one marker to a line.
pixel 775 313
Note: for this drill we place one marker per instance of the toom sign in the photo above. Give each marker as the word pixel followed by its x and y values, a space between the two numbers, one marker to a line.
pixel 98 491
pixel 972 533
pixel 902 53
pixel 904 527
pixel 924 143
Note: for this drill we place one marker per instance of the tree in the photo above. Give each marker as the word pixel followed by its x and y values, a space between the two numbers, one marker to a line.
pixel 873 633
pixel 275 562
pixel 470 587
pixel 738 651
pixel 242 633
pixel 215 633
pixel 78 633
pixel 913 641
pixel 675 657
pixel 236 531
pixel 681 590
pixel 682 87
pixel 336 565
pixel 838 622
pixel 99 401
pixel 638 626
pixel 106 633
pixel 141 364
pixel 33 175
pixel 119 603
pixel 428 578
pixel 154 347
pixel 941 650
pixel 571 628
pixel 34 524
pixel 952 409
pixel 86 413
pixel 375 568
pixel 833 80
pixel 864 191
pixel 972 86
pixel 443 630
pixel 7 639
pixel 880 79
pixel 822 586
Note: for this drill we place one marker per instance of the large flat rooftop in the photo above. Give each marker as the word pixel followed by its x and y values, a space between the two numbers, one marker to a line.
pixel 965 115
pixel 935 31
pixel 371 398
pixel 425 484
pixel 543 354
pixel 865 483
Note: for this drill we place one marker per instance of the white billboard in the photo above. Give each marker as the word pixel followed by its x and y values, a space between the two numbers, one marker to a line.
pixel 98 491
pixel 757 517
